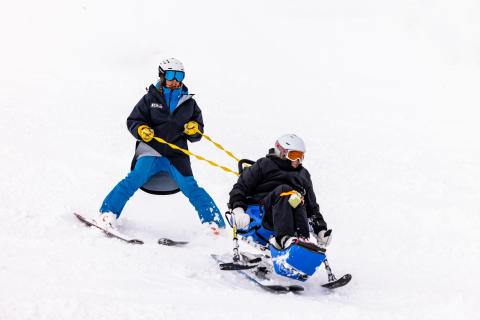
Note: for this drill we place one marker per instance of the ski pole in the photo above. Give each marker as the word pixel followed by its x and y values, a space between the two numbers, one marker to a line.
pixel 236 256
pixel 231 220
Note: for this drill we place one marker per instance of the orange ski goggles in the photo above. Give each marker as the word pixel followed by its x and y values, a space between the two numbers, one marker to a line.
pixel 294 155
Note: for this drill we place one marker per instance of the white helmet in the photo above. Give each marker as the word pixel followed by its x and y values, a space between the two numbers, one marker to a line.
pixel 289 142
pixel 170 64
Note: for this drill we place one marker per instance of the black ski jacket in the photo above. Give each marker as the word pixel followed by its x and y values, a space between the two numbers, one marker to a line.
pixel 266 174
pixel 152 110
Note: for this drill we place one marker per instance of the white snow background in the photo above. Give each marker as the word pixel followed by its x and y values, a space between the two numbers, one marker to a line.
pixel 385 94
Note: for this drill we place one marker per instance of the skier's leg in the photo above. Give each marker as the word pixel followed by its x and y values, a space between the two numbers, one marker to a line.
pixel 278 212
pixel 118 197
pixel 301 221
pixel 206 208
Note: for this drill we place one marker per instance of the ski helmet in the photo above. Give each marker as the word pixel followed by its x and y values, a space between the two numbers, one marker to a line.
pixel 290 146
pixel 170 64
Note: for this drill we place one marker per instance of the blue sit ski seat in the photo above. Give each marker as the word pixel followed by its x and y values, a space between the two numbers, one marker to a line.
pixel 256 231
pixel 299 261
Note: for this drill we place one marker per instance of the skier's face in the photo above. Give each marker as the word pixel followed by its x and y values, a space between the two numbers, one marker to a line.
pixel 295 157
pixel 173 84
pixel 296 163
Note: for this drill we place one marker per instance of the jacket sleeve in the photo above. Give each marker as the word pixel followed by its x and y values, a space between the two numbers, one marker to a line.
pixel 313 209
pixel 197 117
pixel 245 186
pixel 139 115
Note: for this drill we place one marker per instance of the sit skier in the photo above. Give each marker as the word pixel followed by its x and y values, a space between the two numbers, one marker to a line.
pixel 280 188
pixel 168 111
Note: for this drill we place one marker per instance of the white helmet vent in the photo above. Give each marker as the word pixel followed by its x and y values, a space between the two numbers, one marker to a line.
pixel 170 64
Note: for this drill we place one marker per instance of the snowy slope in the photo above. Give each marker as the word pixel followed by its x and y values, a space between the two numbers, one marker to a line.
pixel 385 94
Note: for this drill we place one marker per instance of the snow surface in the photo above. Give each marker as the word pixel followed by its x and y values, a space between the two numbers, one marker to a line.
pixel 385 94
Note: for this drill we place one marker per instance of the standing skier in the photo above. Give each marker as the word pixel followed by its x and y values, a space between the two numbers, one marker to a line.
pixel 169 112
pixel 277 193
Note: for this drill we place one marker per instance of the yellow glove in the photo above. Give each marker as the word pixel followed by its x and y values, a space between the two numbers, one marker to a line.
pixel 191 128
pixel 145 132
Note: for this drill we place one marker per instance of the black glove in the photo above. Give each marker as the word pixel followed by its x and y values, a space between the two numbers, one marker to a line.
pixel 324 237
pixel 318 224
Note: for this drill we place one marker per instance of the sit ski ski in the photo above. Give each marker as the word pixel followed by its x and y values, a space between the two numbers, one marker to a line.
pixel 258 274
pixel 109 232
pixel 333 282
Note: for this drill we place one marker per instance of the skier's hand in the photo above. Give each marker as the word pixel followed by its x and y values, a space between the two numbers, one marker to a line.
pixel 191 128
pixel 242 220
pixel 324 237
pixel 145 132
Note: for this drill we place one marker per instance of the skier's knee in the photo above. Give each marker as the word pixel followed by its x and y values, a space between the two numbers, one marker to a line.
pixel 283 188
pixel 136 178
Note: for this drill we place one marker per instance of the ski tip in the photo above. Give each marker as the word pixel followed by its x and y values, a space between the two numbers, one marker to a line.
pixel 346 278
pixel 83 219
pixel 170 242
pixel 339 282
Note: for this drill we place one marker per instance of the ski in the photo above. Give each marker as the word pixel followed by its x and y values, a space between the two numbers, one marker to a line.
pixel 338 282
pixel 111 233
pixel 171 243
pixel 257 274
pixel 234 266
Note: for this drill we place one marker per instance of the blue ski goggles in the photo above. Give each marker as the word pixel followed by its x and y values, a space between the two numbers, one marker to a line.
pixel 172 74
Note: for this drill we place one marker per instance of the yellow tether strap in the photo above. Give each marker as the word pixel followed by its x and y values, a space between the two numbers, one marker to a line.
pixel 218 145
pixel 171 145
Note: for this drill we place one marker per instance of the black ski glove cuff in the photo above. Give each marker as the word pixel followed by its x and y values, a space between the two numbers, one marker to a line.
pixel 318 224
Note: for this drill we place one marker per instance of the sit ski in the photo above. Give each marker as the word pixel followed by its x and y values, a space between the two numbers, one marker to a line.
pixel 299 261
pixel 262 270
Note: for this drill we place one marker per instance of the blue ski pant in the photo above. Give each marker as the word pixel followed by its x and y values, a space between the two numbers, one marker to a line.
pixel 148 166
